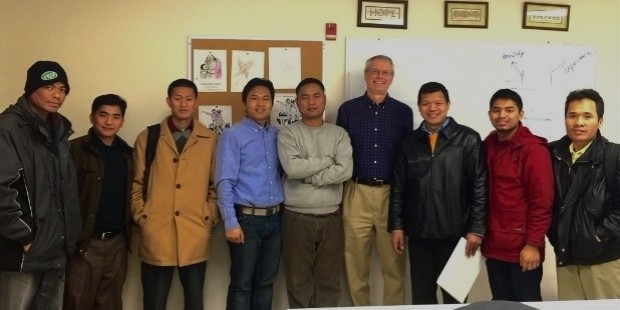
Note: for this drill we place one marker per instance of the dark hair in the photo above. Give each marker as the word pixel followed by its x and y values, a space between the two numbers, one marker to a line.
pixel 307 81
pixel 108 99
pixel 432 87
pixel 182 83
pixel 257 82
pixel 587 93
pixel 508 94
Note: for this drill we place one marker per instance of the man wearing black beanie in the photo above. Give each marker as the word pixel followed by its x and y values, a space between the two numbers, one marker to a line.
pixel 39 213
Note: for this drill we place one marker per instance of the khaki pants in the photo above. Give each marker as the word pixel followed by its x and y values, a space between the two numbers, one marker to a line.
pixel 364 216
pixel 578 282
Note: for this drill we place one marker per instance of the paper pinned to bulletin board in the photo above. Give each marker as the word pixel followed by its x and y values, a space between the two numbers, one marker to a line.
pixel 283 61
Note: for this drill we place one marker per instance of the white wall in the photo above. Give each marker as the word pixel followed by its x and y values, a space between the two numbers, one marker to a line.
pixel 135 48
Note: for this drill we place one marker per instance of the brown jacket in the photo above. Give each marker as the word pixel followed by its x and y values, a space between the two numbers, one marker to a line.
pixel 180 210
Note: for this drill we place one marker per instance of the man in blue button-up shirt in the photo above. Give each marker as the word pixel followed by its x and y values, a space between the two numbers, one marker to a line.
pixel 249 188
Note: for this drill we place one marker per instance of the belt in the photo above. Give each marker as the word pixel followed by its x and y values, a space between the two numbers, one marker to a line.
pixel 375 183
pixel 337 212
pixel 106 235
pixel 257 211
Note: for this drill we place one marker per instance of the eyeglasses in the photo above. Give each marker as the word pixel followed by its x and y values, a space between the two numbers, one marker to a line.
pixel 379 73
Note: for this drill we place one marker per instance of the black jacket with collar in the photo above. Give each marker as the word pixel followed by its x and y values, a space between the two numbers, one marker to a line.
pixel 440 195
pixel 38 190
pixel 586 206
pixel 90 169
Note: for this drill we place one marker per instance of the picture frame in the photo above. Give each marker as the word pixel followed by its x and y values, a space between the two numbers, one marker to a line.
pixel 382 13
pixel 466 14
pixel 545 16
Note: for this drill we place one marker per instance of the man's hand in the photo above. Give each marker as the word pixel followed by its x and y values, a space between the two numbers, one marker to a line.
pixel 27 247
pixel 473 243
pixel 529 258
pixel 398 241
pixel 235 235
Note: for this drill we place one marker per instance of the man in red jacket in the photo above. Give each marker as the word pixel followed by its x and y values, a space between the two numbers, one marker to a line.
pixel 520 196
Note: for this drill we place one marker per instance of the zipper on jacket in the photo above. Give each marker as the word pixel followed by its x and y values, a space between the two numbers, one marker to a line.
pixel 21 264
pixel 570 166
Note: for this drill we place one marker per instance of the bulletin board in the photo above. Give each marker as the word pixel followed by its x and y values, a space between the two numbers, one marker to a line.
pixel 227 67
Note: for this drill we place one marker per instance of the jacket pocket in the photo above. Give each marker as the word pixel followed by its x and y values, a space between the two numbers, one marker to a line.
pixel 507 243
pixel 210 214
pixel 12 255
pixel 142 216
pixel 507 231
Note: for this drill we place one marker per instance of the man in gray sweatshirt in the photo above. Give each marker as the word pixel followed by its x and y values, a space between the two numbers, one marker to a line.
pixel 317 159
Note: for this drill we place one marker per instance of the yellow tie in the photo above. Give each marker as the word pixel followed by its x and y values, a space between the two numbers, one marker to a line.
pixel 432 139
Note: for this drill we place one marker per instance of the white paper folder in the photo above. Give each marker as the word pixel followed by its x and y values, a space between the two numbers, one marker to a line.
pixel 459 274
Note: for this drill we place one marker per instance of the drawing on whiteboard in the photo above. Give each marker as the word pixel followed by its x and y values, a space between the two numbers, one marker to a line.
pixel 521 72
pixel 573 64
pixel 515 57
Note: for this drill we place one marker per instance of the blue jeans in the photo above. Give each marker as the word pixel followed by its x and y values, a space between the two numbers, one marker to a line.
pixel 39 290
pixel 509 282
pixel 156 281
pixel 254 263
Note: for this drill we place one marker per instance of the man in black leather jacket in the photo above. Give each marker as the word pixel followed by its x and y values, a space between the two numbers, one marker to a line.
pixel 585 231
pixel 438 194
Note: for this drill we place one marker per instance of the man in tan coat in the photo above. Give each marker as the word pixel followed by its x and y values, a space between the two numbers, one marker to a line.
pixel 179 210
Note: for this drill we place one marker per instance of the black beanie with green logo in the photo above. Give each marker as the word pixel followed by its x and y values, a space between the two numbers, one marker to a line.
pixel 43 73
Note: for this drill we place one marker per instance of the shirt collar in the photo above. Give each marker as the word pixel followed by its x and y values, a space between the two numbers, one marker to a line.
pixel 97 142
pixel 252 124
pixel 576 154
pixel 379 104
pixel 174 128
pixel 443 125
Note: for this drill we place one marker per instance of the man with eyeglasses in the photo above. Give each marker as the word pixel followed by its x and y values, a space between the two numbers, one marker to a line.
pixel 376 123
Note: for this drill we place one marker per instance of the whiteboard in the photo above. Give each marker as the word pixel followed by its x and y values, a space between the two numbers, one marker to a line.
pixel 542 74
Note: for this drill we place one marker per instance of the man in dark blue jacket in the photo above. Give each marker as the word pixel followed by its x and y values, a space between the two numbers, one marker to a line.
pixel 39 213
pixel 585 230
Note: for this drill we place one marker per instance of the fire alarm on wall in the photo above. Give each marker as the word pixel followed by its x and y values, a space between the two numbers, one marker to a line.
pixel 330 31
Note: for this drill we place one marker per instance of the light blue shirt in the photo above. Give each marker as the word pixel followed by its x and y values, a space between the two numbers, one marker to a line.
pixel 247 169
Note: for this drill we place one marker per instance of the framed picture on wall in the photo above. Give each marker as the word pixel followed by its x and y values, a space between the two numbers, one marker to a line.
pixel 466 14
pixel 382 14
pixel 545 16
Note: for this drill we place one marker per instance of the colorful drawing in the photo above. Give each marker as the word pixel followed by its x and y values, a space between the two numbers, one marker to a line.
pixel 246 66
pixel 211 68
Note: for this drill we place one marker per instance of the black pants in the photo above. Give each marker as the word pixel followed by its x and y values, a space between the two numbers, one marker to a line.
pixel 508 282
pixel 427 258
pixel 156 281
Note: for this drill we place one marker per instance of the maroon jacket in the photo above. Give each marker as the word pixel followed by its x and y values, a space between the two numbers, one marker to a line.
pixel 520 194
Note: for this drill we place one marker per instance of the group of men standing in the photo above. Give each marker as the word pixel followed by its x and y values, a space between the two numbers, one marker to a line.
pixel 315 193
